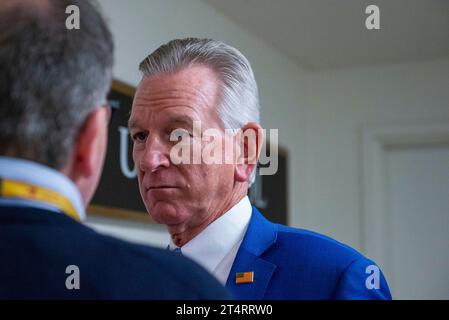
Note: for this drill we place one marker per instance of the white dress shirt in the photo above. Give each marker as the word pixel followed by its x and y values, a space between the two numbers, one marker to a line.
pixel 215 248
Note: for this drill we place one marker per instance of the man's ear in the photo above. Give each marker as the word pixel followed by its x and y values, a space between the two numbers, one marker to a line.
pixel 250 142
pixel 87 155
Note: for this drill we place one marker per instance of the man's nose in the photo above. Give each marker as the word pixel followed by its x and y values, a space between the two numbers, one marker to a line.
pixel 155 156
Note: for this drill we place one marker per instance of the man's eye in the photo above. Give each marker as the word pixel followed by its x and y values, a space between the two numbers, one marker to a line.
pixel 179 134
pixel 139 136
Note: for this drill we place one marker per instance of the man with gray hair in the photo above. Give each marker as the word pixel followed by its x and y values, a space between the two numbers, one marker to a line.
pixel 190 88
pixel 53 133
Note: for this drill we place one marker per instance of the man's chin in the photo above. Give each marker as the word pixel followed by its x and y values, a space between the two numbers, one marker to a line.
pixel 168 214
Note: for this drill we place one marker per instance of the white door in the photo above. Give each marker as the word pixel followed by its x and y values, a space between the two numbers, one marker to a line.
pixel 417 221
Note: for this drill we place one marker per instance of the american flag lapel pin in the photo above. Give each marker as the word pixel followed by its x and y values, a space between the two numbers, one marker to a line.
pixel 244 277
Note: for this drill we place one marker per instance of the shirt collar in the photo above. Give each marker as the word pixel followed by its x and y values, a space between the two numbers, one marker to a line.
pixel 40 175
pixel 212 245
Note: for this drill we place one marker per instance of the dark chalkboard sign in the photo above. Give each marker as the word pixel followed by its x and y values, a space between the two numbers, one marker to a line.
pixel 269 193
pixel 118 194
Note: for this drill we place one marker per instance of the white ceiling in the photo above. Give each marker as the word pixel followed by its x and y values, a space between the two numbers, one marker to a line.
pixel 331 33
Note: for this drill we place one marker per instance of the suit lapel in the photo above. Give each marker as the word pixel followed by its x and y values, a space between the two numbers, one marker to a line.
pixel 261 234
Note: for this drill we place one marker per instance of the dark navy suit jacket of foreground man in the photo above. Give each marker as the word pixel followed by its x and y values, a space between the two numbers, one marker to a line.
pixel 290 263
pixel 37 246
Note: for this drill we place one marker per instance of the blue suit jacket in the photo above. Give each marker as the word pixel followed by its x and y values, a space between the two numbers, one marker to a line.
pixel 290 263
pixel 36 246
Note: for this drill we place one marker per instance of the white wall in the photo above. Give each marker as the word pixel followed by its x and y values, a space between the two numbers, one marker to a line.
pixel 340 104
pixel 320 114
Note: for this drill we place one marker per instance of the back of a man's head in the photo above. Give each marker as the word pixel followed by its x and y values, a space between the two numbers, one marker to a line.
pixel 51 77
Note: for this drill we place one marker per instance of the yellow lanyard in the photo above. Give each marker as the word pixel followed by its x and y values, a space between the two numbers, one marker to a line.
pixel 21 190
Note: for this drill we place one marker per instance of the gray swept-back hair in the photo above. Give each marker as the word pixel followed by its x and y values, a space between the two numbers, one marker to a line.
pixel 239 103
pixel 51 77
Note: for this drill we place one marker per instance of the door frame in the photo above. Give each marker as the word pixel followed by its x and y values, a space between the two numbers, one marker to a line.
pixel 375 142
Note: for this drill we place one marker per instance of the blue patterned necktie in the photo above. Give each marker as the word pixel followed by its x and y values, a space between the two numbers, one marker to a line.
pixel 177 251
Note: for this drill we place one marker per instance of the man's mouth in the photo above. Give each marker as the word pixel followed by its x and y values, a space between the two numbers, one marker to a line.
pixel 161 188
